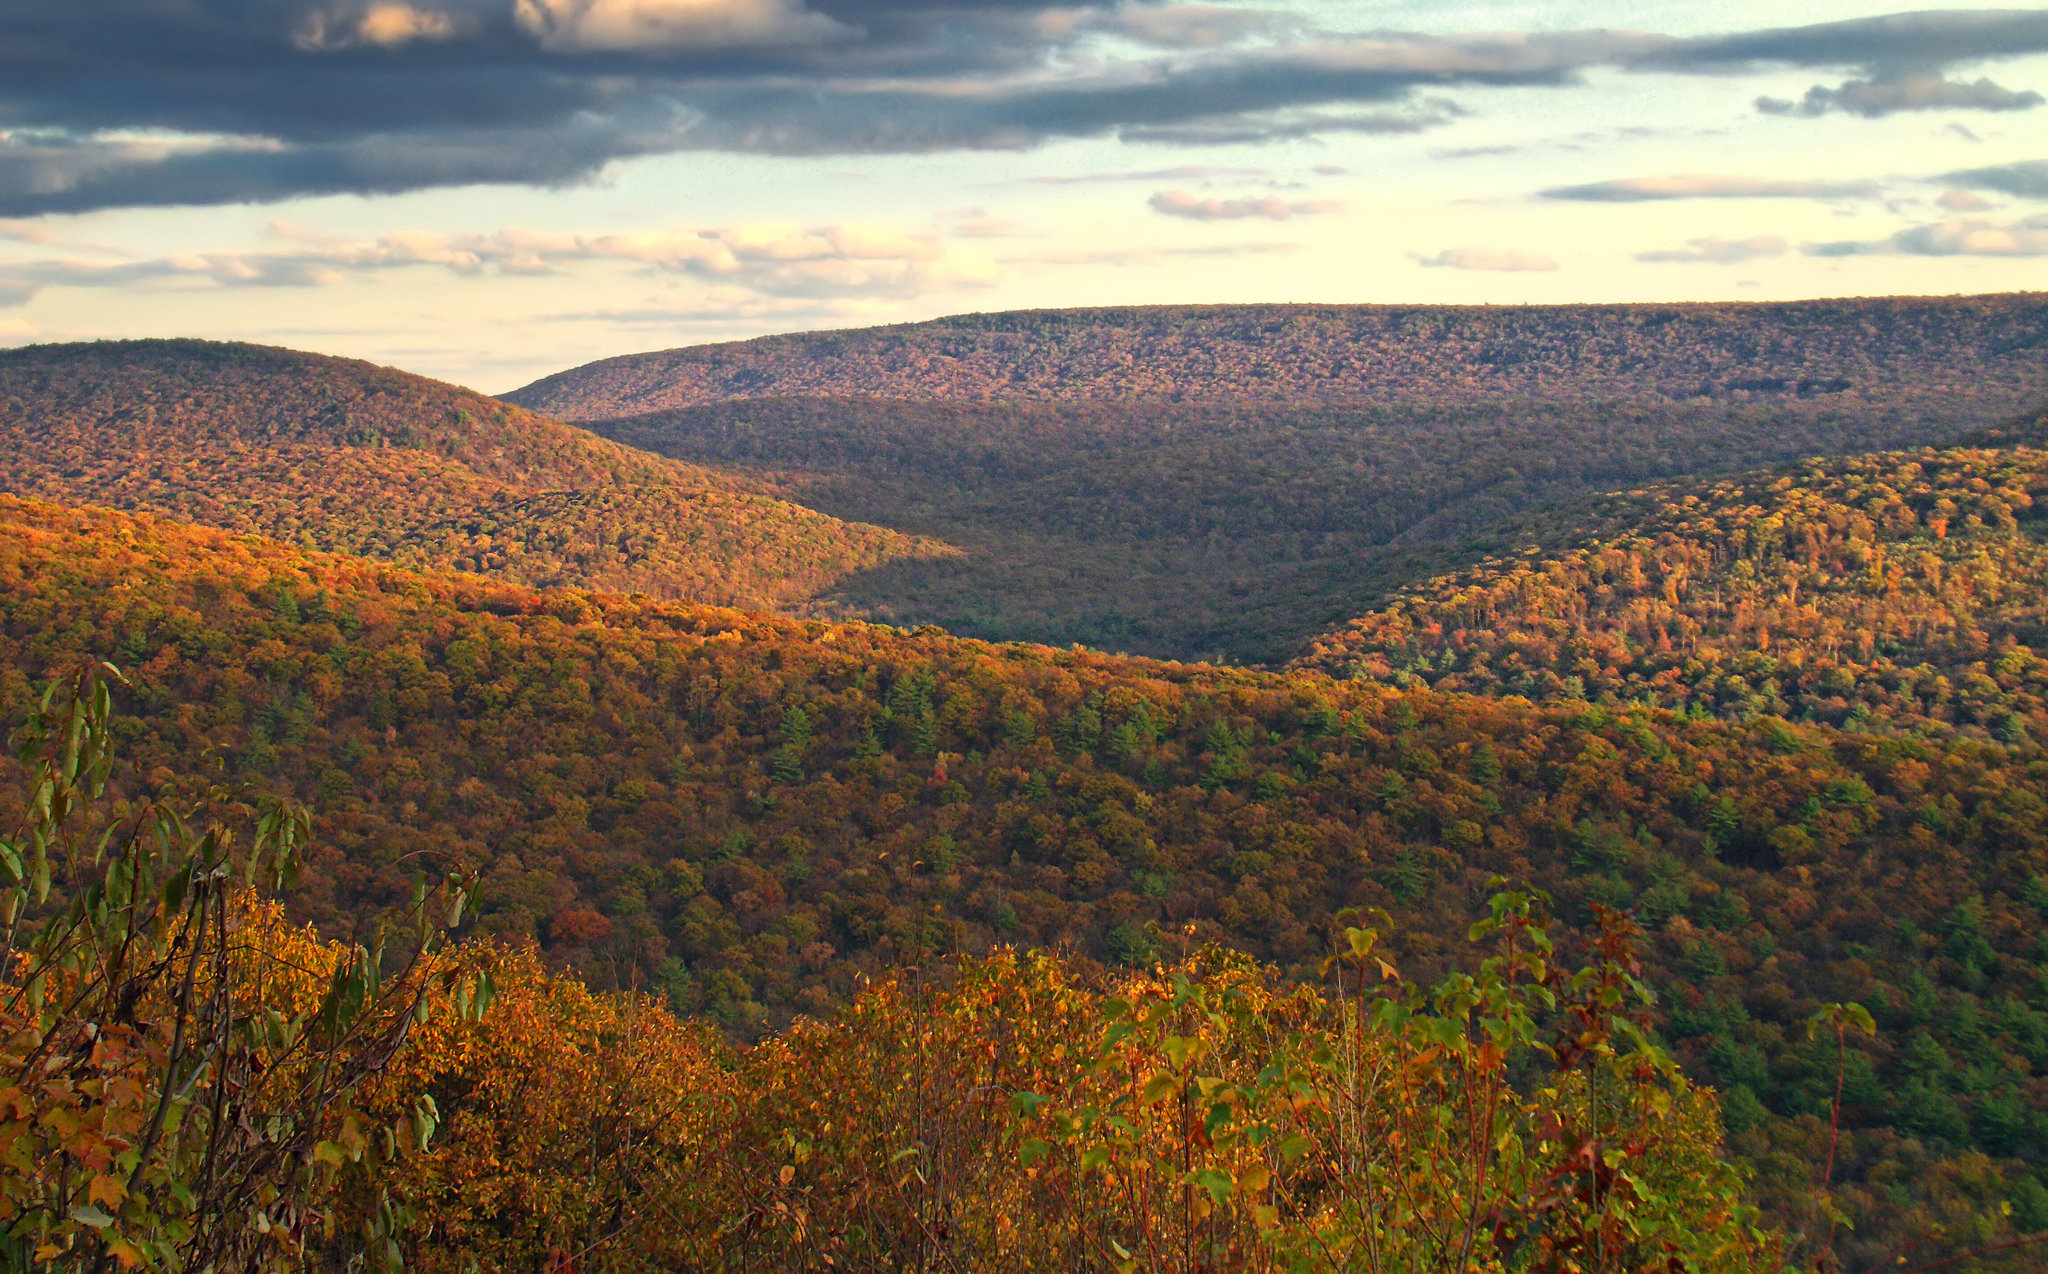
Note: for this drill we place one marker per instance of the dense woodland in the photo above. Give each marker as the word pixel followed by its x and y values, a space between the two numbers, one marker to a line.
pixel 333 454
pixel 291 1102
pixel 746 815
pixel 1898 591
pixel 1971 347
pixel 824 944
pixel 1215 531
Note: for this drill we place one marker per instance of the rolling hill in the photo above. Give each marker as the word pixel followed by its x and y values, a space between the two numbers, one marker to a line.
pixel 335 454
pixel 1898 588
pixel 749 813
pixel 1328 454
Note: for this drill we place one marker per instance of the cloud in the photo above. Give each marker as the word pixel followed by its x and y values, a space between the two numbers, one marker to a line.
pixel 1473 152
pixel 1962 236
pixel 1183 172
pixel 305 97
pixel 1927 92
pixel 1963 201
pixel 1923 40
pixel 2028 179
pixel 608 26
pixel 1182 203
pixel 1149 256
pixel 161 102
pixel 1712 251
pixel 1189 26
pixel 16 233
pixel 1261 128
pixel 1485 259
pixel 383 24
pixel 1708 186
pixel 765 259
pixel 978 223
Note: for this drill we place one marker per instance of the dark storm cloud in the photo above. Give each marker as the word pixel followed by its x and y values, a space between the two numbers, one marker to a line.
pixel 276 98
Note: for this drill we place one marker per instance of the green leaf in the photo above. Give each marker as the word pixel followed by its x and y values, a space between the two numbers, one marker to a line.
pixel 1216 1182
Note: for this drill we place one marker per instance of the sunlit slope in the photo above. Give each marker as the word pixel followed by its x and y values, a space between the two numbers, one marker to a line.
pixel 1903 590
pixel 1973 347
pixel 336 454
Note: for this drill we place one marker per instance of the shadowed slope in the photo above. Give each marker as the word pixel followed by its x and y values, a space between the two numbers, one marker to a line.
pixel 1224 482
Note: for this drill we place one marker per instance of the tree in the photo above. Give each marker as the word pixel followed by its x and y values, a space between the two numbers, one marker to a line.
pixel 176 1059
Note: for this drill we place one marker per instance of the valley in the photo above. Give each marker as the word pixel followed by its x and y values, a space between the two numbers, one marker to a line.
pixel 1262 474
pixel 738 711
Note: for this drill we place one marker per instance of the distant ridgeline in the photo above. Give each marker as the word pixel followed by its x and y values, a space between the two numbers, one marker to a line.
pixel 1225 482
pixel 1969 347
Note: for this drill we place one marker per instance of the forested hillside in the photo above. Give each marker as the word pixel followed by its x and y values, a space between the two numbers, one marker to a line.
pixel 334 454
pixel 745 813
pixel 1901 590
pixel 1973 348
pixel 1215 531
pixel 1225 482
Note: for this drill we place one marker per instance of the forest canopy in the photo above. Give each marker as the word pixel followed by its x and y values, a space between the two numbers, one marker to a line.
pixel 1643 865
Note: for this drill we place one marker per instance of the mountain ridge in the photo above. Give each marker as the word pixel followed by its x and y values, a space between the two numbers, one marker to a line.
pixel 1324 353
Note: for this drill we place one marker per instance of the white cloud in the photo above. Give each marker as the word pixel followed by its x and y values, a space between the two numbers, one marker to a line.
pixel 1885 96
pixel 385 24
pixel 1708 186
pixel 1184 203
pixel 612 26
pixel 1963 201
pixel 1485 259
pixel 1183 172
pixel 1713 251
pixel 771 259
pixel 1149 256
pixel 1958 237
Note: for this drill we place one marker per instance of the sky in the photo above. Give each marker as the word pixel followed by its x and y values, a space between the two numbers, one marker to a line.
pixel 490 190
